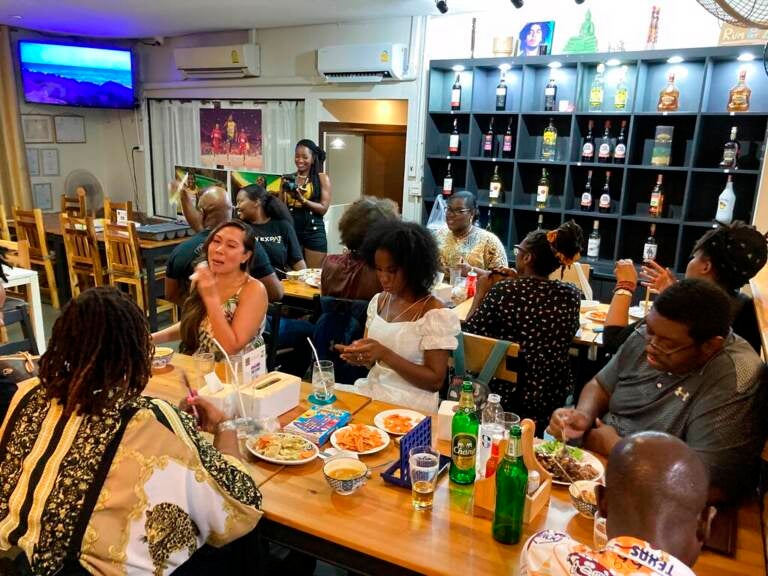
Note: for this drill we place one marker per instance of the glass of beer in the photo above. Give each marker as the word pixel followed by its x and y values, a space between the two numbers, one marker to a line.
pixel 424 462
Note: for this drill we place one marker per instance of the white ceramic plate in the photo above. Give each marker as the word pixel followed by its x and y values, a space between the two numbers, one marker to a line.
pixel 384 436
pixel 586 458
pixel 638 311
pixel 380 418
pixel 589 305
pixel 309 446
pixel 313 281
pixel 597 316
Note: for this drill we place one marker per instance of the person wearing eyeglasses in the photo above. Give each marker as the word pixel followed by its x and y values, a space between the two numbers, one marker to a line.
pixel 686 373
pixel 463 243
pixel 523 305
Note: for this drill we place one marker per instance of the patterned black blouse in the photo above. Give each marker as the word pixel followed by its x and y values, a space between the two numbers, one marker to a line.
pixel 543 317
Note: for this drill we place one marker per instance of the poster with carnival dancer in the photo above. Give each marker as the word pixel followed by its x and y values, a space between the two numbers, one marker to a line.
pixel 231 138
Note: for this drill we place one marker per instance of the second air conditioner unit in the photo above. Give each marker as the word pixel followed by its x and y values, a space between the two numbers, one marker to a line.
pixel 356 63
pixel 218 62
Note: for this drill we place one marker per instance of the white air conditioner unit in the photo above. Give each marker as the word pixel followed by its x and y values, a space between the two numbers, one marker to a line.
pixel 214 62
pixel 356 63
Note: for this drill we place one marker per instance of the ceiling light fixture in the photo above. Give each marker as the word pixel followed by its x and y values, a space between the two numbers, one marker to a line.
pixel 746 57
pixel 442 5
pixel 579 1
pixel 675 60
pixel 555 64
pixel 517 3
pixel 457 68
pixel 612 62
pixel 504 67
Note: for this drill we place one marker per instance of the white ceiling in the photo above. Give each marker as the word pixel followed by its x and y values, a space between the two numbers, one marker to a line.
pixel 148 18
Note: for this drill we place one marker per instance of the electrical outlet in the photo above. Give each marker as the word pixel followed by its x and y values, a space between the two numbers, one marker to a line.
pixel 139 148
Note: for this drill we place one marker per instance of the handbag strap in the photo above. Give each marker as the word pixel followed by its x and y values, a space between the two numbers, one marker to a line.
pixel 495 358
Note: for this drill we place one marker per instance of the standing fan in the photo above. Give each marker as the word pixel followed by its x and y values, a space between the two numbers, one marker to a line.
pixel 746 13
pixel 94 192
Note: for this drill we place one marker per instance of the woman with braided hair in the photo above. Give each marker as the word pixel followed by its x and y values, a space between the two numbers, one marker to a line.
pixel 728 255
pixel 98 478
pixel 308 195
pixel 523 305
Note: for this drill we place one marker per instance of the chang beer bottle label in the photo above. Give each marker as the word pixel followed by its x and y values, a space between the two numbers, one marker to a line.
pixel 464 450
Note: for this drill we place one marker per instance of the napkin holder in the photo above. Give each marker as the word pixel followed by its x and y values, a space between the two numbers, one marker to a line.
pixel 485 489
pixel 419 435
pixel 271 395
pixel 222 396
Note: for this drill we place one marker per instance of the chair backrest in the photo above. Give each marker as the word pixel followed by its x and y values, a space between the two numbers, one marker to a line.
pixel 272 336
pixel 572 276
pixel 29 227
pixel 82 248
pixel 340 321
pixel 122 247
pixel 477 349
pixel 17 253
pixel 75 206
pixel 111 208
pixel 5 231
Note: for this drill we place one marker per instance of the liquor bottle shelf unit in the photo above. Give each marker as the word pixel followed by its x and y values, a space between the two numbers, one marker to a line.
pixel 692 181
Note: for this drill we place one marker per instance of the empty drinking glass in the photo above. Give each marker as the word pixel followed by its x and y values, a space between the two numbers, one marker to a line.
pixel 323 382
pixel 204 365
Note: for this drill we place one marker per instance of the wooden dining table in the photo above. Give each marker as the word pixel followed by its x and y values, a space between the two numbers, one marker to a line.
pixel 376 531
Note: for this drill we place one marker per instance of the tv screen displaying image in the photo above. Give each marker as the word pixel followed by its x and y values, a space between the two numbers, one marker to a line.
pixel 76 75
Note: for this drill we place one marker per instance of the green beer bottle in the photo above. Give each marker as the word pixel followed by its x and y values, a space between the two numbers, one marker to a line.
pixel 511 488
pixel 464 429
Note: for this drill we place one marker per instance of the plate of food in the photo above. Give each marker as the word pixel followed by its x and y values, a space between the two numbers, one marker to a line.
pixel 360 439
pixel 597 315
pixel 312 276
pixel 578 463
pixel 398 421
pixel 282 448
pixel 589 305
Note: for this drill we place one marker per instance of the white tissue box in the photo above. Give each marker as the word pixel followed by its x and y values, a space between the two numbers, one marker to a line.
pixel 224 398
pixel 444 419
pixel 271 395
pixel 443 292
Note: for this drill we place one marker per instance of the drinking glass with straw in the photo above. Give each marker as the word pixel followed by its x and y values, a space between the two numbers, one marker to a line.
pixel 323 379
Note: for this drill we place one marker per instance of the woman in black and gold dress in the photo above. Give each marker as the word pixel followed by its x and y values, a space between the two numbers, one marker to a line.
pixel 308 198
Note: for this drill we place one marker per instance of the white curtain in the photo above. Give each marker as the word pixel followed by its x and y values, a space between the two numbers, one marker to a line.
pixel 175 138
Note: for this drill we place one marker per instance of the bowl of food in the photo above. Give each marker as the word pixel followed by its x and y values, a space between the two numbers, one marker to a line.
pixel 345 474
pixel 162 357
pixel 583 497
pixel 295 275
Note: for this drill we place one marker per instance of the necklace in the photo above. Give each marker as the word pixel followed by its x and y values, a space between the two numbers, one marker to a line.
pixel 420 300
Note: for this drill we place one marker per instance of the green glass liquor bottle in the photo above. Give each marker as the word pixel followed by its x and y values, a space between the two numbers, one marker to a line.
pixel 464 430
pixel 511 489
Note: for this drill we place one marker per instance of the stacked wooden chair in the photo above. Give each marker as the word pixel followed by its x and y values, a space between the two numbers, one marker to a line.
pixel 29 227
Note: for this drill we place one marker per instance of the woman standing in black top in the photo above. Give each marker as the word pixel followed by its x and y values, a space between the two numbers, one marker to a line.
pixel 307 193
pixel 271 224
pixel 539 314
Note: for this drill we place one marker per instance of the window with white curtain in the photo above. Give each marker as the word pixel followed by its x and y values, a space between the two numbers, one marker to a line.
pixel 175 138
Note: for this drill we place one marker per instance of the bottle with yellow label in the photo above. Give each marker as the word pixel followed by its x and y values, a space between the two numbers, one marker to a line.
pixel 464 431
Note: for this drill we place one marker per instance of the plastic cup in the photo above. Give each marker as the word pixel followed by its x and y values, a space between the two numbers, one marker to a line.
pixel 424 464
pixel 323 382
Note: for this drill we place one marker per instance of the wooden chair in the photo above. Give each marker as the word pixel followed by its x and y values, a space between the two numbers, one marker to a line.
pixel 124 265
pixel 83 257
pixel 5 231
pixel 477 349
pixel 29 227
pixel 17 253
pixel 572 276
pixel 75 206
pixel 111 208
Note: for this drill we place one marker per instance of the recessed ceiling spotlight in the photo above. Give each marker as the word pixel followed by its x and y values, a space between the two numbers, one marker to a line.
pixel 457 68
pixel 746 57
pixel 442 5
pixel 555 64
pixel 504 67
pixel 675 60
pixel 612 62
pixel 517 3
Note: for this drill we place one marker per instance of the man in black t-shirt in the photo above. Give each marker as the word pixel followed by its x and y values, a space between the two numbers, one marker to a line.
pixel 213 208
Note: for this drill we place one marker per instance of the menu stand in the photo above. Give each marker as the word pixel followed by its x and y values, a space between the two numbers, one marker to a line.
pixel 420 435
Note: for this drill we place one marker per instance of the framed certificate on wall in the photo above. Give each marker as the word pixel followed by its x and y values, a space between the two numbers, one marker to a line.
pixel 33 161
pixel 37 128
pixel 42 194
pixel 70 129
pixel 49 161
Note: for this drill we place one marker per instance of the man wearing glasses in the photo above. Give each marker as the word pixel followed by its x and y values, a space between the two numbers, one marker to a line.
pixel 683 372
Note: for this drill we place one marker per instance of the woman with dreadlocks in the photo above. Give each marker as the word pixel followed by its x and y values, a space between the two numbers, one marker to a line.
pixel 100 479
pixel 727 255
pixel 226 304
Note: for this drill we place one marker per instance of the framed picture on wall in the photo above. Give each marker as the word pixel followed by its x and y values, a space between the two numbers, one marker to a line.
pixel 37 128
pixel 49 161
pixel 70 129
pixel 33 161
pixel 42 194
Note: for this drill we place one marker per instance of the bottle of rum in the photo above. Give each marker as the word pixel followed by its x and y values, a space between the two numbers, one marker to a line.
pixel 604 205
pixel 549 142
pixel 496 187
pixel 588 148
pixel 489 221
pixel 540 223
pixel 622 92
pixel 542 190
pixel 501 92
pixel 669 97
pixel 454 142
pixel 456 93
pixel 731 150
pixel 596 91
pixel 550 96
pixel 738 97
pixel 656 206
pixel 725 203
pixel 593 243
pixel 586 196
pixel 620 151
pixel 464 431
pixel 487 150
pixel 448 182
pixel 650 248
pixel 506 145
pixel 604 145
pixel 511 490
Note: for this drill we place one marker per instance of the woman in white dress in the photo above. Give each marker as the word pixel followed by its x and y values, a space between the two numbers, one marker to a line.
pixel 408 332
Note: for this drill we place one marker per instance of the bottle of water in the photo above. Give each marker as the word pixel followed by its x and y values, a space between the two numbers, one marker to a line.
pixel 490 432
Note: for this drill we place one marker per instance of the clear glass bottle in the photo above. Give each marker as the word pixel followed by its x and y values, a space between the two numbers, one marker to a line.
pixel 597 90
pixel 549 142
pixel 550 96
pixel 593 243
pixel 542 190
pixel 738 96
pixel 490 430
pixel 669 97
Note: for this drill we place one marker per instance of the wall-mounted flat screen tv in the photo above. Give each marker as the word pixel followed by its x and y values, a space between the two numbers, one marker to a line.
pixel 70 75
